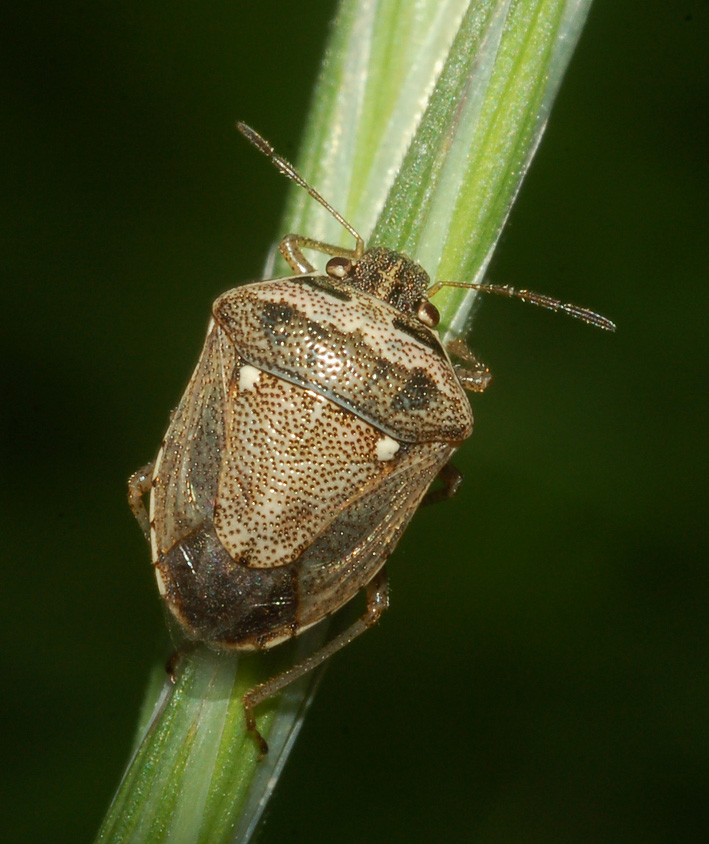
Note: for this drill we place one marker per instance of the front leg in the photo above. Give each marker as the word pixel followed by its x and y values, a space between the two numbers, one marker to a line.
pixel 472 373
pixel 451 478
pixel 292 246
pixel 138 484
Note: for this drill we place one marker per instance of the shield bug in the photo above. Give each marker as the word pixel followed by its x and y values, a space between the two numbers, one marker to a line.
pixel 322 408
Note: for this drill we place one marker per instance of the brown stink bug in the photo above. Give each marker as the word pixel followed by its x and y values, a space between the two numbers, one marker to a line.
pixel 322 408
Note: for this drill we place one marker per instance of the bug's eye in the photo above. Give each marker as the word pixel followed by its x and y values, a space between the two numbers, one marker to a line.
pixel 338 267
pixel 427 313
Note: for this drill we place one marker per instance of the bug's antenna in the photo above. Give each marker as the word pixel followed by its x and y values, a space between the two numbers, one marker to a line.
pixel 584 314
pixel 289 170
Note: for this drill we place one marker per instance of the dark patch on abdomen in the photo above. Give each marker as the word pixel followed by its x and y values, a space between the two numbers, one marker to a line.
pixel 222 601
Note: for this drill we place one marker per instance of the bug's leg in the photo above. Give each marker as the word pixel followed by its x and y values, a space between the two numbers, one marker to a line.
pixel 171 665
pixel 138 484
pixel 175 658
pixel 292 247
pixel 452 478
pixel 377 602
pixel 472 373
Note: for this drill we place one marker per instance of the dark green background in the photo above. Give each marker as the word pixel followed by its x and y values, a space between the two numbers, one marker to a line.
pixel 542 675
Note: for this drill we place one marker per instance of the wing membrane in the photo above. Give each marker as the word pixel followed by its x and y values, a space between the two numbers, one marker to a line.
pixel 359 540
pixel 187 468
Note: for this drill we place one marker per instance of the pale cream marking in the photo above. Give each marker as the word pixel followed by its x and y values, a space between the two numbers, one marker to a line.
pixel 362 313
pixel 161 583
pixel 351 324
pixel 224 369
pixel 248 377
pixel 321 307
pixel 187 558
pixel 389 277
pixel 151 508
pixel 317 411
pixel 387 448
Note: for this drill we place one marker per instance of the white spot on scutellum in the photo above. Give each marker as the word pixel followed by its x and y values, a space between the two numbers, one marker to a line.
pixel 387 448
pixel 248 377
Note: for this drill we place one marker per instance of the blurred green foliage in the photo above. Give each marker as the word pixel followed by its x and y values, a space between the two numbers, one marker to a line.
pixel 565 638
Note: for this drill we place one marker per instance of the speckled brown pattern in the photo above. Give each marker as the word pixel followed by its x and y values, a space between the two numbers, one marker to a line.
pixel 272 505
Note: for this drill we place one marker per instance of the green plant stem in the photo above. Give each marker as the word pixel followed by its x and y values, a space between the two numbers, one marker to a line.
pixel 424 121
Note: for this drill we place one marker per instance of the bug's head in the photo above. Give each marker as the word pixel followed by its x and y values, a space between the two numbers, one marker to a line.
pixel 390 276
pixel 394 277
